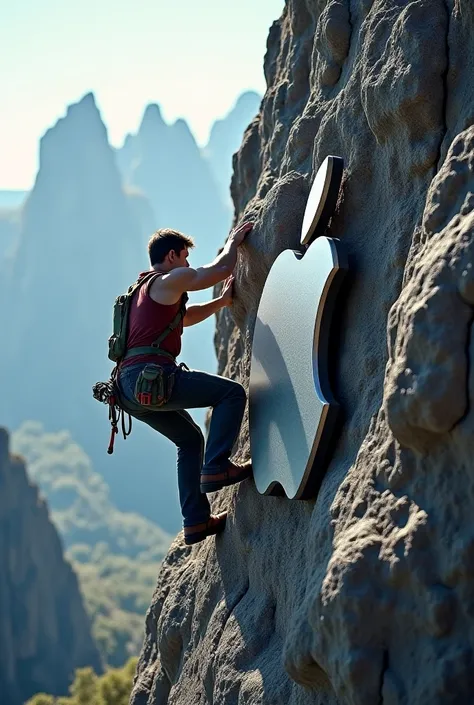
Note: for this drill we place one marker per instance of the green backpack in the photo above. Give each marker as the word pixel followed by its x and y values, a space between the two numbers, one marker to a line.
pixel 107 392
pixel 118 340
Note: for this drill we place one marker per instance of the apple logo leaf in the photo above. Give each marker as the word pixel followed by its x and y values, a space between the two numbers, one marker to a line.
pixel 292 412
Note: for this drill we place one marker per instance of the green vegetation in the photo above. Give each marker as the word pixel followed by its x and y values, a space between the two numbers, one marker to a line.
pixel 117 592
pixel 115 554
pixel 79 497
pixel 113 688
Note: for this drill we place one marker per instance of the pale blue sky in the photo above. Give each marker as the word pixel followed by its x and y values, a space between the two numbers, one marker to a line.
pixel 193 57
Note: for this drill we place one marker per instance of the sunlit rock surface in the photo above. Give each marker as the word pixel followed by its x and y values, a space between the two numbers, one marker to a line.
pixel 363 596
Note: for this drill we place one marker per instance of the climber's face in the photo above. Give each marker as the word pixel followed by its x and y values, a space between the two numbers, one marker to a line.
pixel 178 260
pixel 183 258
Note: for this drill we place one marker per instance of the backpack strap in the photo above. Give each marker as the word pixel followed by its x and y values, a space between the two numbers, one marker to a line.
pixel 154 347
pixel 146 277
pixel 136 285
pixel 174 323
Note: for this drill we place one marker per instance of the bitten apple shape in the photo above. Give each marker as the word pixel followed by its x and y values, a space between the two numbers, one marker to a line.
pixel 292 410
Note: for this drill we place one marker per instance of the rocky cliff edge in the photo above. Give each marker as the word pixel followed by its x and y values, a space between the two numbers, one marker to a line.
pixel 363 596
pixel 44 630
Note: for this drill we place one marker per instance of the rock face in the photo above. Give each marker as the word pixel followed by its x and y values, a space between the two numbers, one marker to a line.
pixel 363 596
pixel 44 630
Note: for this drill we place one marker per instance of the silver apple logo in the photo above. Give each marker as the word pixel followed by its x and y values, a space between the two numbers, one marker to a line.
pixel 291 408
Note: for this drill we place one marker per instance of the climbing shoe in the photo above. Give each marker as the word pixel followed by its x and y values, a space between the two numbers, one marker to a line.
pixel 224 478
pixel 214 525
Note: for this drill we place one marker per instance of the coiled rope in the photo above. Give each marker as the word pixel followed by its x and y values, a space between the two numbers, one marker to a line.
pixel 106 392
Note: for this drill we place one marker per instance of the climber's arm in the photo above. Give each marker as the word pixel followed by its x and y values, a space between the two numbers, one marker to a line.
pixel 199 312
pixel 182 279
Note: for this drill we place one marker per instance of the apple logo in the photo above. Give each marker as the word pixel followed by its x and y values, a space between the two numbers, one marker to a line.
pixel 292 411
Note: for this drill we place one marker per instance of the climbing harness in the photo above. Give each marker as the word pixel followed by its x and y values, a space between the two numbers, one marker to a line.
pixel 107 393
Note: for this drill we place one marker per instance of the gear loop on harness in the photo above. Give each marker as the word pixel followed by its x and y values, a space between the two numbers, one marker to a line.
pixel 106 392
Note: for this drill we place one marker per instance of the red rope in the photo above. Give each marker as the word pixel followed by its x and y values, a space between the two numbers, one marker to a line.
pixel 113 420
pixel 110 449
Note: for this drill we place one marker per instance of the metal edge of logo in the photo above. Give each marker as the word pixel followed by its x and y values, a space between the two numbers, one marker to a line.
pixel 324 327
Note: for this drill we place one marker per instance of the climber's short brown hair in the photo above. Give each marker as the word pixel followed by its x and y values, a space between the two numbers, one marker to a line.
pixel 165 240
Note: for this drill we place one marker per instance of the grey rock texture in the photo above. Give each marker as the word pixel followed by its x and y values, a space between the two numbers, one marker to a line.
pixel 44 630
pixel 364 595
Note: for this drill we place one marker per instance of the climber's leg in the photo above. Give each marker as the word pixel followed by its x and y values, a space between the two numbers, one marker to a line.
pixel 180 428
pixel 194 389
pixel 227 398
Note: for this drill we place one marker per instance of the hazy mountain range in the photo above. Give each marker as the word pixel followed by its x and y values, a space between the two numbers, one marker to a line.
pixel 76 241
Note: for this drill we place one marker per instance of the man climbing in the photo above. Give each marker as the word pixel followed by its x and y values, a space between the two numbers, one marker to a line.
pixel 157 316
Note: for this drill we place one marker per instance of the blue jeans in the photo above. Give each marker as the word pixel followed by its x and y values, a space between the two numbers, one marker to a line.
pixel 192 390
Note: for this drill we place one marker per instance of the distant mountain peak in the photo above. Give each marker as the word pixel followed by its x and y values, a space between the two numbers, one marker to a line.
pixel 81 118
pixel 226 136
pixel 85 107
pixel 152 118
pixel 244 108
pixel 248 97
pixel 87 100
pixel 181 124
pixel 182 130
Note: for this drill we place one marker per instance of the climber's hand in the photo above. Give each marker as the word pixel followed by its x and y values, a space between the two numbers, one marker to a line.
pixel 227 293
pixel 239 234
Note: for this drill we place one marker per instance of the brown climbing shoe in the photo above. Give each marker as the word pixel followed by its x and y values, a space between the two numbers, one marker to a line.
pixel 230 476
pixel 214 525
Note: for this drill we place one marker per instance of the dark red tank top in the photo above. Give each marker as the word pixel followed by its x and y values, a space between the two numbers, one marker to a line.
pixel 147 319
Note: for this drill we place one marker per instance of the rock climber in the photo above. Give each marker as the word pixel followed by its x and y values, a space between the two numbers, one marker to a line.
pixel 157 309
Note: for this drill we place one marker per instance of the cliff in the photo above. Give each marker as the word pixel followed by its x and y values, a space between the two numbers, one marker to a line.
pixel 44 630
pixel 362 596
